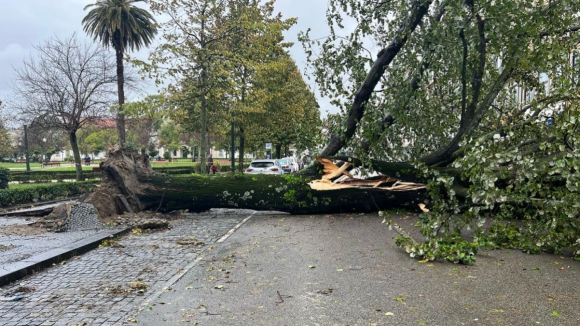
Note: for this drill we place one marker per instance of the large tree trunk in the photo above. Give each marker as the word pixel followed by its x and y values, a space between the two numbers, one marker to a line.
pixel 72 135
pixel 121 93
pixel 130 185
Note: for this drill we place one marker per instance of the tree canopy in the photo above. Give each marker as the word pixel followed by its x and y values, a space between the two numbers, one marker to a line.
pixel 69 86
pixel 216 51
pixel 467 86
pixel 123 26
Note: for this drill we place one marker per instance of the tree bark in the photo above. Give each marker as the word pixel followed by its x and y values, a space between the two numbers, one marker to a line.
pixel 241 150
pixel 72 135
pixel 121 93
pixel 363 94
pixel 130 185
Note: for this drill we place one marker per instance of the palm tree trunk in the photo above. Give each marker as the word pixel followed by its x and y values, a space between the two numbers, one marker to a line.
pixel 121 92
pixel 76 154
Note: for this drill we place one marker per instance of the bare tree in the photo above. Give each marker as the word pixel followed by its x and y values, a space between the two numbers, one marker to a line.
pixel 68 86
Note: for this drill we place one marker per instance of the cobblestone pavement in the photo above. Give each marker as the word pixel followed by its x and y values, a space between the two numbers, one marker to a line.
pixel 15 247
pixel 101 287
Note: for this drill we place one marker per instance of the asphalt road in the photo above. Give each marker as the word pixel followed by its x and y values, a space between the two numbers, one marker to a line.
pixel 346 270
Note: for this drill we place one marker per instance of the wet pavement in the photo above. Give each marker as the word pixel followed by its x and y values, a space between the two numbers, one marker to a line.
pixel 20 247
pixel 277 269
pixel 347 270
pixel 101 287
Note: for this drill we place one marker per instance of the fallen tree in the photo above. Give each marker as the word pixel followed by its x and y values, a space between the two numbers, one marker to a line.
pixel 130 185
pixel 475 99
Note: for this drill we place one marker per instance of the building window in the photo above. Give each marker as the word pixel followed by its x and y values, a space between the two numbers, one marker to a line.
pixel 544 79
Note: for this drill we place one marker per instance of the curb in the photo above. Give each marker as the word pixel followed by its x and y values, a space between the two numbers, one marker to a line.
pixel 15 271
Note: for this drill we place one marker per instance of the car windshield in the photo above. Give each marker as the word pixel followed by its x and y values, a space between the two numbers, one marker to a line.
pixel 284 161
pixel 262 164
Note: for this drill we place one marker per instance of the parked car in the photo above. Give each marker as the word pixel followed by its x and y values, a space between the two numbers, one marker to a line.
pixel 287 165
pixel 265 167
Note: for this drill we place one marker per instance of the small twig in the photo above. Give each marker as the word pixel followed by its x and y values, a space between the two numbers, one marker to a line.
pixel 281 299
pixel 210 314
pixel 279 296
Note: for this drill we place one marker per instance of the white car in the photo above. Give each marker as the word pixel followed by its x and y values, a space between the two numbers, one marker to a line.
pixel 287 165
pixel 265 167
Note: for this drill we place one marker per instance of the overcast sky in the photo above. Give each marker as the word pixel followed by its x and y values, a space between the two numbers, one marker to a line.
pixel 26 23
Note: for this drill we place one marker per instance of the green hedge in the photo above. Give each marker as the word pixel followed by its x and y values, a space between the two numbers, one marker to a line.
pixel 174 169
pixel 41 192
pixel 42 176
pixel 4 178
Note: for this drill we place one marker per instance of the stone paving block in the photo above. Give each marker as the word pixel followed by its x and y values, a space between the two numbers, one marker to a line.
pixel 95 286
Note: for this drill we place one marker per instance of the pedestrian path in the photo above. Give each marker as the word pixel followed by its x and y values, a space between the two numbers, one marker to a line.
pixel 102 286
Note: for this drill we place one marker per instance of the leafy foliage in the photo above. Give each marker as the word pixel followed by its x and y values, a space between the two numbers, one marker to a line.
pixel 123 26
pixel 4 178
pixel 33 193
pixel 463 91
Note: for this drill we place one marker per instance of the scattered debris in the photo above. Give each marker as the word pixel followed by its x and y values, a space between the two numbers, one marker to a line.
pixel 139 287
pixel 112 243
pixel 325 292
pixel 343 179
pixel 190 242
pixel 282 297
pixel 14 298
pixel 142 220
pixel 21 289
pixel 6 247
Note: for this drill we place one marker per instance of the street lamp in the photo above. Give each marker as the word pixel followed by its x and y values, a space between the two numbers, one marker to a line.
pixel 43 149
pixel 26 148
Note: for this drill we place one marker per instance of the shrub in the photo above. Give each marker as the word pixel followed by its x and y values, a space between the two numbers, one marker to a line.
pixel 166 155
pixel 4 178
pixel 40 192
pixel 197 168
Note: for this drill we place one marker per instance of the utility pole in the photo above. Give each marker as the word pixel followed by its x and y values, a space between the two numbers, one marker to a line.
pixel 233 149
pixel 26 148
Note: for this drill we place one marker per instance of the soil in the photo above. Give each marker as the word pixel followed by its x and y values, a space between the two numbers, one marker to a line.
pixel 22 229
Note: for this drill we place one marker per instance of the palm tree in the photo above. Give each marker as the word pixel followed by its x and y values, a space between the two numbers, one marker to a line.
pixel 119 24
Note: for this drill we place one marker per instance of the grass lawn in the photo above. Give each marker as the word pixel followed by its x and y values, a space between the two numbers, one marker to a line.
pixel 37 167
pixel 35 185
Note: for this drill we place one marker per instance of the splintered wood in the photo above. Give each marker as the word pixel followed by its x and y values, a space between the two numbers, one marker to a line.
pixel 343 180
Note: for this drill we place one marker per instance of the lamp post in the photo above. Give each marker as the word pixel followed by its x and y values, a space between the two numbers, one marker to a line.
pixel 43 149
pixel 26 148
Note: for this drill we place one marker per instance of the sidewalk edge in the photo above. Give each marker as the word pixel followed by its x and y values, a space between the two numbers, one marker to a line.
pixel 15 271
